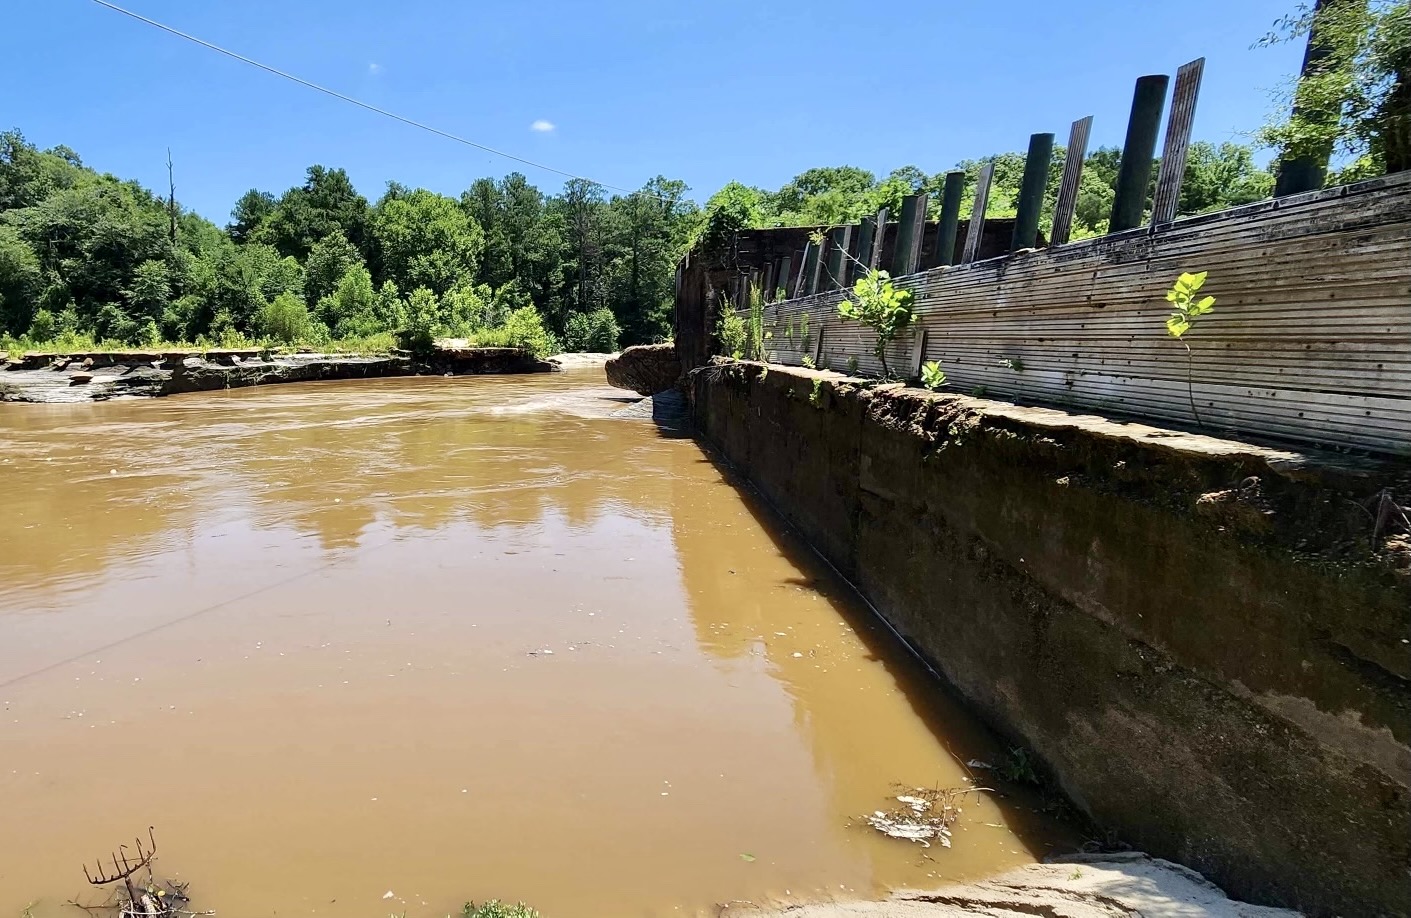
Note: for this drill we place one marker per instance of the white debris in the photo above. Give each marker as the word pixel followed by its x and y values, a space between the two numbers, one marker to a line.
pixel 976 763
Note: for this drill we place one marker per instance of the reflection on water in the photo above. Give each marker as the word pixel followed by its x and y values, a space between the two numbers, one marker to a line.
pixel 447 638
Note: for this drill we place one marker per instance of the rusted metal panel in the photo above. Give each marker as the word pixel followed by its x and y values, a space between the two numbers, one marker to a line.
pixel 1178 140
pixel 1067 202
pixel 976 232
pixel 1310 339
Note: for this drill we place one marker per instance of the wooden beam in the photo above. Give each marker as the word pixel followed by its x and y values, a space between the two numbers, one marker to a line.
pixel 810 256
pixel 815 268
pixel 1067 202
pixel 879 238
pixel 781 280
pixel 918 351
pixel 866 239
pixel 907 257
pixel 976 232
pixel 1178 141
pixel 839 241
pixel 949 227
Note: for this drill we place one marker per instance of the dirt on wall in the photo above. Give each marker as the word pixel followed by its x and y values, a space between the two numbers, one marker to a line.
pixel 1199 638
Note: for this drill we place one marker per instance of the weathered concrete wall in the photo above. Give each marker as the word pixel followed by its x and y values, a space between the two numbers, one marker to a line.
pixel 1196 636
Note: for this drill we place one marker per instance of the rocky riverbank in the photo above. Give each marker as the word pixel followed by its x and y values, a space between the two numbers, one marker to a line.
pixel 50 378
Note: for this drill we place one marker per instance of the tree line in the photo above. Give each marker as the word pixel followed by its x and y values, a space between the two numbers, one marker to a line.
pixel 85 255
pixel 1217 176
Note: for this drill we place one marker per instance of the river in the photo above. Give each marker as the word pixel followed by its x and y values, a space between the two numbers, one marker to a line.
pixel 446 639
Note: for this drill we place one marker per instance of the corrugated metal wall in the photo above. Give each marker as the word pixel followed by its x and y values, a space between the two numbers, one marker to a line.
pixel 1310 339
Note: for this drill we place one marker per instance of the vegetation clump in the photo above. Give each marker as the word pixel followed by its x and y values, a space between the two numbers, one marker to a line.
pixel 883 307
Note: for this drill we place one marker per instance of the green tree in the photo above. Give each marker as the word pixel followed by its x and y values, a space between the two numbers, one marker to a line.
pixel 594 332
pixel 426 240
pixel 148 294
pixel 253 208
pixel 1354 97
pixel 21 280
pixel 329 261
pixel 324 204
pixel 421 321
pixel 351 309
pixel 1221 177
pixel 648 232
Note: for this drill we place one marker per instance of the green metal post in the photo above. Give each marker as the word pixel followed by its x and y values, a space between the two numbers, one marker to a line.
pixel 906 258
pixel 1296 174
pixel 1134 174
pixel 949 227
pixel 1031 192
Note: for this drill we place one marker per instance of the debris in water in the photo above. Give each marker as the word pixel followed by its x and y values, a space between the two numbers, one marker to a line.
pixel 748 858
pixel 976 763
pixel 153 898
pixel 388 894
pixel 924 815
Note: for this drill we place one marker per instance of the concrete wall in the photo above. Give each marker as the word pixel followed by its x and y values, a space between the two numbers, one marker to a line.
pixel 1195 636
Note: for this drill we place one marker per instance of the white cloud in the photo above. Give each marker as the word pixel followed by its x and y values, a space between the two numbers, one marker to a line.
pixel 542 126
pixel 374 69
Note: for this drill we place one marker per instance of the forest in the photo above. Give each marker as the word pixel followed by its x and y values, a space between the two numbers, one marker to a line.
pixel 87 257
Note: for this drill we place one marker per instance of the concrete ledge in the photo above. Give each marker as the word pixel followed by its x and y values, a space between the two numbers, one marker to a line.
pixel 1197 636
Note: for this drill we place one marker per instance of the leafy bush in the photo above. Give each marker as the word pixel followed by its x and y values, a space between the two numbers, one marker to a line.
pixel 730 331
pixel 932 376
pixel 43 327
pixel 523 328
pixel 421 319
pixel 593 332
pixel 286 319
pixel 351 309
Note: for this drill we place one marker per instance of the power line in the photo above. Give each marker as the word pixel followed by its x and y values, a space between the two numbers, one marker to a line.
pixel 349 99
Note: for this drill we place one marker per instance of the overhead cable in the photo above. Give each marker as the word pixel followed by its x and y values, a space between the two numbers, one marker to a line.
pixel 349 99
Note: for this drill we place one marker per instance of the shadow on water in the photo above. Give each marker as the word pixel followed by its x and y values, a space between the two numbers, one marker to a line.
pixel 1044 822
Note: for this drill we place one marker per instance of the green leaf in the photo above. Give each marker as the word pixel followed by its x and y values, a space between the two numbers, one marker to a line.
pixel 749 858
pixel 1177 325
pixel 1172 295
pixel 1190 283
pixel 1206 304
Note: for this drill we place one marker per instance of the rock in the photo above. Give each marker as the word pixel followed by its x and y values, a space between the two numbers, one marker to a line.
pixel 79 379
pixel 1099 886
pixel 646 368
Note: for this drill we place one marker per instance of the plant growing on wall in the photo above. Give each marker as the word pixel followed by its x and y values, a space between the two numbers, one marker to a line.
pixel 932 376
pixel 754 326
pixel 730 330
pixel 877 303
pixel 1189 306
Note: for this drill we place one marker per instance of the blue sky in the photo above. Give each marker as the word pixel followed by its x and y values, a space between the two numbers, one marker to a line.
pixel 620 90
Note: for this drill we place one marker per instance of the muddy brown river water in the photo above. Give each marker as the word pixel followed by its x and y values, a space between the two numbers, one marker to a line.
pixel 446 639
